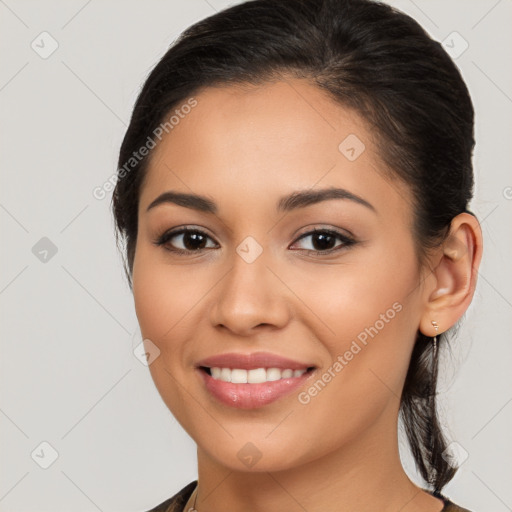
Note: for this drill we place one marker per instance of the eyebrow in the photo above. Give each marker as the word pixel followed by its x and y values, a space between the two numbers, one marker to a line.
pixel 293 201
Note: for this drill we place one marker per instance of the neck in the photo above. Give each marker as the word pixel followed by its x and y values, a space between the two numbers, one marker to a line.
pixel 365 474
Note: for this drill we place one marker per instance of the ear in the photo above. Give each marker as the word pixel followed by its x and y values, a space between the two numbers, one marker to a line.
pixel 452 283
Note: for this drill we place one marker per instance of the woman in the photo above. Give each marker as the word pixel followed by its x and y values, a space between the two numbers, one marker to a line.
pixel 293 193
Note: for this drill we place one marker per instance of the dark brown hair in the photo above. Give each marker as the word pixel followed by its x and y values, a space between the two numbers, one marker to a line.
pixel 367 56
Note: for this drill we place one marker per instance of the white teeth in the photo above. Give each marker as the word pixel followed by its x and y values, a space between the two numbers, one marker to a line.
pixel 239 376
pixel 255 376
pixel 273 374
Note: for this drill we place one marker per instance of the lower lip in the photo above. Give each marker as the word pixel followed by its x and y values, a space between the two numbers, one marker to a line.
pixel 251 396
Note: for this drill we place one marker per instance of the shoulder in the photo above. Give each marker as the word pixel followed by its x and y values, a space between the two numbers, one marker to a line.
pixel 449 506
pixel 176 502
pixel 452 507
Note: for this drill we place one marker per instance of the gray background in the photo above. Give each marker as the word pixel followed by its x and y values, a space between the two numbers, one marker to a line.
pixel 68 328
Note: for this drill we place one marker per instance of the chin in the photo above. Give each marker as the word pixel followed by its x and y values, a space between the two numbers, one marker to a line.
pixel 263 455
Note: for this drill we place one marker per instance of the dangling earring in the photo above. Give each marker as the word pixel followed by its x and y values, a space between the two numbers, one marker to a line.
pixel 433 378
pixel 436 327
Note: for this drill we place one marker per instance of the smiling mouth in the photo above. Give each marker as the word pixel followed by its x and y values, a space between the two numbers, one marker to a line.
pixel 255 375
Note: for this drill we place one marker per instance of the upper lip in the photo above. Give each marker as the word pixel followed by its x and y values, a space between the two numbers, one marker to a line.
pixel 252 361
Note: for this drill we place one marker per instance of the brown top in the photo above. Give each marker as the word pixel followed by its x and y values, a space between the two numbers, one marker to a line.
pixel 178 501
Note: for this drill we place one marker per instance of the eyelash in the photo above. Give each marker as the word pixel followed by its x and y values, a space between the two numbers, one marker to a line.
pixel 164 238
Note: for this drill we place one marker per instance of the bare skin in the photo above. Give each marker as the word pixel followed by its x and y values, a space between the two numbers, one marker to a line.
pixel 244 148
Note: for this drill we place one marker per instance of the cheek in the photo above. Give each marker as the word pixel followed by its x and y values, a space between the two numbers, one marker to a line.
pixel 168 301
pixel 372 293
pixel 163 295
pixel 368 317
pixel 161 305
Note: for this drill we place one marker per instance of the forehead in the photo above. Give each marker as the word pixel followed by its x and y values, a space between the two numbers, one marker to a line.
pixel 246 144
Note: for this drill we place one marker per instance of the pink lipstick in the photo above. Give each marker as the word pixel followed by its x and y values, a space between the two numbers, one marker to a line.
pixel 249 381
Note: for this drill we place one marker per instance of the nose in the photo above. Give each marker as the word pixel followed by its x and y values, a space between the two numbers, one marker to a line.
pixel 250 298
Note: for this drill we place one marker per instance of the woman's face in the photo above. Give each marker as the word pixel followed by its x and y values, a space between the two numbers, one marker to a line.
pixel 346 300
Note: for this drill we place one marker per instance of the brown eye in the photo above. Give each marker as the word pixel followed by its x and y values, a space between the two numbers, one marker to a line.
pixel 325 240
pixel 185 240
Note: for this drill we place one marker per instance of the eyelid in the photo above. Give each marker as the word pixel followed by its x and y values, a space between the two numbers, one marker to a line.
pixel 162 239
pixel 347 240
pixel 315 228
